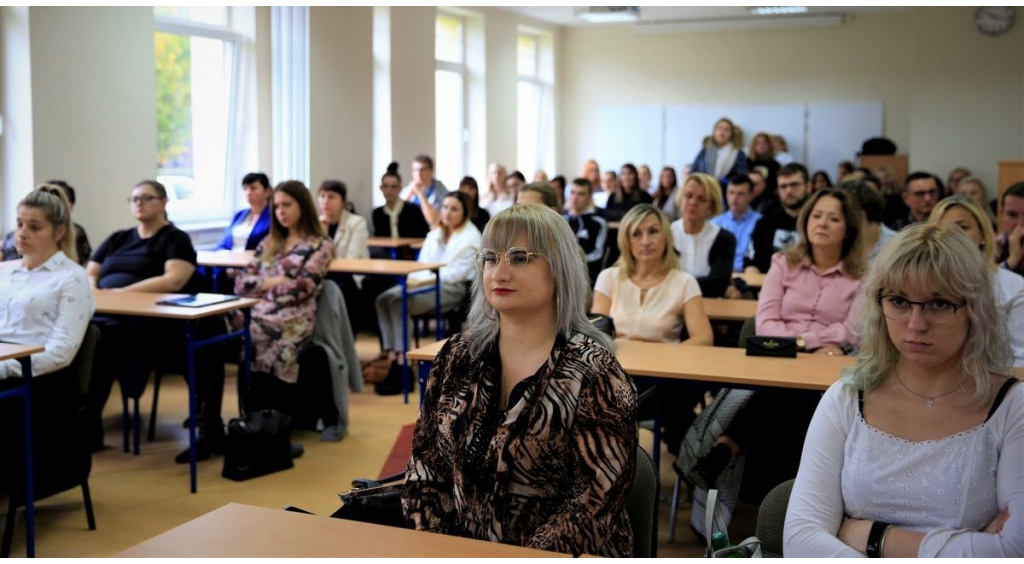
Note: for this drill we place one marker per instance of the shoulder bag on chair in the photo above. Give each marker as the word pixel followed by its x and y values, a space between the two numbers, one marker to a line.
pixel 373 501
pixel 713 521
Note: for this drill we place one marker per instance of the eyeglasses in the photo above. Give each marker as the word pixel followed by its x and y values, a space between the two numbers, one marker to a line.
pixel 144 199
pixel 516 257
pixel 936 312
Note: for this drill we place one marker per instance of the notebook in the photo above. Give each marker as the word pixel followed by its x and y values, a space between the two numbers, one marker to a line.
pixel 198 300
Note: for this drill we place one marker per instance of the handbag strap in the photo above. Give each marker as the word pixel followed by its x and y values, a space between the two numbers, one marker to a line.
pixel 713 519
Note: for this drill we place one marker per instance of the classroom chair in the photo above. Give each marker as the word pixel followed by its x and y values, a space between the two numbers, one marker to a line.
pixel 641 504
pixel 771 517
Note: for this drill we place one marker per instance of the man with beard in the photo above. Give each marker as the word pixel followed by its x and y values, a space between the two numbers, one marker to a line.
pixel 776 231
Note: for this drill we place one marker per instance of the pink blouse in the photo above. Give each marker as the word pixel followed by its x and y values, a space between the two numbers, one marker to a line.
pixel 799 302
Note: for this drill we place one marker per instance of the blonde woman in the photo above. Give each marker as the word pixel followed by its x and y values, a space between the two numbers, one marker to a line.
pixel 705 250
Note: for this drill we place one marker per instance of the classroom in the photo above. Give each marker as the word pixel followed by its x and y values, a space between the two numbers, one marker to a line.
pixel 317 93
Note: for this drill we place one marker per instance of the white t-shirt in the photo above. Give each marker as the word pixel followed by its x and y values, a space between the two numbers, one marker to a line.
pixel 240 235
pixel 660 318
pixel 694 250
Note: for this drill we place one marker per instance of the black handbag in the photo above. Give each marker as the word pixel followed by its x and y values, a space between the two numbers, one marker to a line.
pixel 257 444
pixel 373 501
pixel 783 347
pixel 603 323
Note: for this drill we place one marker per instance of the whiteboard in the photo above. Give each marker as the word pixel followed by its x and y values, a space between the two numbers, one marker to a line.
pixel 630 134
pixel 819 134
pixel 838 130
pixel 686 127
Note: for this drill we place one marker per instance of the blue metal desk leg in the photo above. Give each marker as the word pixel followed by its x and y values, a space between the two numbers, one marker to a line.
pixel 405 338
pixel 30 492
pixel 437 307
pixel 191 372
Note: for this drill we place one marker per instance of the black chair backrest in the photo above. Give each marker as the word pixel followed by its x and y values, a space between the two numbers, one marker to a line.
pixel 640 503
pixel 83 362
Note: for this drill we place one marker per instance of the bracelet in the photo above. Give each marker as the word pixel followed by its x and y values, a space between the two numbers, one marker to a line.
pixel 875 537
pixel 881 543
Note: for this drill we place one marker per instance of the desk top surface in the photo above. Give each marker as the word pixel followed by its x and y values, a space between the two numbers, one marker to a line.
pixel 144 304
pixel 714 364
pixel 10 351
pixel 389 267
pixel 241 531
pixel 719 309
pixel 394 242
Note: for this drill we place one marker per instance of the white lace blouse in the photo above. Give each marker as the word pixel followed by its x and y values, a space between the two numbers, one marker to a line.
pixel 949 489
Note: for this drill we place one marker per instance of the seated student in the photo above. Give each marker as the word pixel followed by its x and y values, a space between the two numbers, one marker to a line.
pixel 1010 241
pixel 538 193
pixel 761 154
pixel 876 234
pixel 349 234
pixel 954 179
pixel 917 450
pixel 46 297
pixel 558 183
pixel 285 275
pixel 477 215
pixel 543 452
pixel 808 294
pixel 394 218
pixel 781 149
pixel 722 155
pixel 424 190
pixel 495 198
pixel 154 256
pixel 513 182
pixel 1009 288
pixel 974 189
pixel 82 247
pixel 739 219
pixel 624 194
pixel 250 225
pixel 590 228
pixel 706 251
pixel 644 178
pixel 762 201
pixel 820 181
pixel 454 242
pixel 664 195
pixel 921 191
pixel 776 230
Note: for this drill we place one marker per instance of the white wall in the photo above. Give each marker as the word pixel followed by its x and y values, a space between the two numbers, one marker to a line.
pixel 951 96
pixel 92 112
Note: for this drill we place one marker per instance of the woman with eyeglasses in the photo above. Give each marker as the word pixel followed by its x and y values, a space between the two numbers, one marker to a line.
pixel 916 451
pixel 970 216
pixel 454 242
pixel 154 256
pixel 527 434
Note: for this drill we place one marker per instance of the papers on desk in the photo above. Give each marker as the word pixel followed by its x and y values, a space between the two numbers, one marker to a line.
pixel 198 300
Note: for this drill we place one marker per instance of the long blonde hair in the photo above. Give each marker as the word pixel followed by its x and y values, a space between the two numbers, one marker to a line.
pixel 54 204
pixel 933 258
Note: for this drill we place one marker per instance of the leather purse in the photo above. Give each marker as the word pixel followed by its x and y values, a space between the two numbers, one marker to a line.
pixel 257 444
pixel 374 501
pixel 782 347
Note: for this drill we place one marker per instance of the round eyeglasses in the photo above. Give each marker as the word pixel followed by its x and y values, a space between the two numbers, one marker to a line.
pixel 936 312
pixel 516 257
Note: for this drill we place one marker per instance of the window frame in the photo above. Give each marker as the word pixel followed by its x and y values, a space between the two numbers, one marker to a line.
pixel 221 214
pixel 545 89
pixel 463 72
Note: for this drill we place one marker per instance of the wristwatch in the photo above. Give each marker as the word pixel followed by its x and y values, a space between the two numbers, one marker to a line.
pixel 876 538
pixel 801 344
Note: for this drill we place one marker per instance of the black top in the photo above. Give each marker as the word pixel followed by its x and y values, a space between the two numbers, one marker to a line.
pixel 591 233
pixel 615 211
pixel 721 256
pixel 481 219
pixel 895 213
pixel 410 222
pixel 773 233
pixel 125 258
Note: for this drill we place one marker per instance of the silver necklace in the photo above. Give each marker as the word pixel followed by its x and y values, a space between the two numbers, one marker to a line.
pixel 929 400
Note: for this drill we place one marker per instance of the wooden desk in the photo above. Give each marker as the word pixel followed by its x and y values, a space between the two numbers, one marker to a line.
pixel 395 243
pixel 23 353
pixel 244 531
pixel 144 304
pixel 224 259
pixel 753 280
pixel 720 309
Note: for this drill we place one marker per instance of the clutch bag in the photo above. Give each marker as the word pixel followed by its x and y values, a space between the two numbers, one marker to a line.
pixel 783 347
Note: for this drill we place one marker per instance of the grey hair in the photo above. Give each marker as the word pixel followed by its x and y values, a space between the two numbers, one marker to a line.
pixel 53 201
pixel 549 234
pixel 939 258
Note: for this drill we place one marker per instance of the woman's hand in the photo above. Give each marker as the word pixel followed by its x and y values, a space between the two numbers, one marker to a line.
pixel 830 350
pixel 996 526
pixel 854 532
pixel 274 281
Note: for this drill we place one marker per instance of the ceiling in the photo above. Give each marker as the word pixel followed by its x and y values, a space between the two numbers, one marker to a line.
pixel 566 16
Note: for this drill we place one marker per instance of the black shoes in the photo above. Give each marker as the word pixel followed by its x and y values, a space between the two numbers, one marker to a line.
pixel 710 466
pixel 207 445
pixel 392 383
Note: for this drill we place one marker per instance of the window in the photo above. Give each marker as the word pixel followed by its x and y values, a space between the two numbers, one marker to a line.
pixel 197 76
pixel 450 99
pixel 535 129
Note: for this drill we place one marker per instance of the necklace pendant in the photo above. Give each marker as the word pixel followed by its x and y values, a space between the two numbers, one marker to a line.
pixel 931 402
